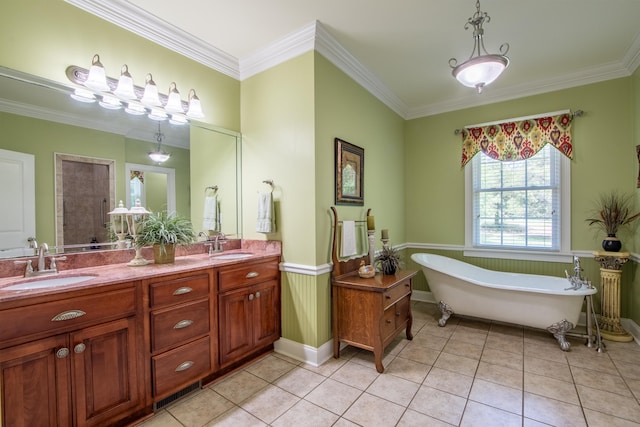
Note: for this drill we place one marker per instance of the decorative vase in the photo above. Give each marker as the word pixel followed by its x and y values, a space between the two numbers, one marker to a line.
pixel 166 255
pixel 388 270
pixel 611 243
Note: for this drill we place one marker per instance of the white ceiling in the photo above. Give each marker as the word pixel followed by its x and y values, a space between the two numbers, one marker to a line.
pixel 399 49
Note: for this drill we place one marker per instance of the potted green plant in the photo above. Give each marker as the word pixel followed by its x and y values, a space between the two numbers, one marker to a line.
pixel 163 231
pixel 613 212
pixel 388 260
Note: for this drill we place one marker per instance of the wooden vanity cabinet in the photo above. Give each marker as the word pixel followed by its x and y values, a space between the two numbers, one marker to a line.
pixel 370 312
pixel 181 317
pixel 249 308
pixel 72 361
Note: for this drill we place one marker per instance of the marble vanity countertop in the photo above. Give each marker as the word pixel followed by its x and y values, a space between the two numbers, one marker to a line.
pixel 121 272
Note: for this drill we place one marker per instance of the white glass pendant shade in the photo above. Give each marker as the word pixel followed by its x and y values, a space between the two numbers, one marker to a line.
pixel 195 109
pixel 135 109
pixel 125 85
pixel 480 71
pixel 110 102
pixel 159 156
pixel 97 78
pixel 174 103
pixel 83 95
pixel 151 96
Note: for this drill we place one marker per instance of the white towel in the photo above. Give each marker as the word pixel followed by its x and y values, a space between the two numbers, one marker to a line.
pixel 348 244
pixel 211 217
pixel 266 222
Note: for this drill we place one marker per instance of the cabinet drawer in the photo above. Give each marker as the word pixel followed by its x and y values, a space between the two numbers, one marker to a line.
pixel 390 296
pixel 178 289
pixel 247 274
pixel 66 314
pixel 388 325
pixel 181 366
pixel 170 327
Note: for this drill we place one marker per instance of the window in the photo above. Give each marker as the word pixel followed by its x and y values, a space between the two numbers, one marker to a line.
pixel 520 206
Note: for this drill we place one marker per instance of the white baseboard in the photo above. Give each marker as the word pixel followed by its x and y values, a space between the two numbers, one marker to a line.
pixel 304 353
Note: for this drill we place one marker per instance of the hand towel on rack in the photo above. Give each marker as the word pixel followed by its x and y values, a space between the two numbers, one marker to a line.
pixel 348 243
pixel 211 217
pixel 266 216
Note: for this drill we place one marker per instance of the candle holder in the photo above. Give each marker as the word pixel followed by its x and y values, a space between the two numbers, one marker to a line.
pixel 135 217
pixel 372 245
pixel 119 224
pixel 384 242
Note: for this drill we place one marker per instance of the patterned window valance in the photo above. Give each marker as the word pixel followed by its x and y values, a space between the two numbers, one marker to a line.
pixel 518 139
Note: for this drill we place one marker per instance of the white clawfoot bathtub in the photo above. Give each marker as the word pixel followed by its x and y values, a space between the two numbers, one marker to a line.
pixel 525 299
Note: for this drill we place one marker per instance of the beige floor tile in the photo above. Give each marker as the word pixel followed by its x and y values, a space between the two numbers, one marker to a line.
pixel 161 419
pixel 439 331
pixel 198 409
pixel 558 370
pixel 366 358
pixel 544 350
pixel 269 404
pixel 393 389
pixel 600 381
pixel 506 329
pixel 496 395
pixel 328 367
pixel 334 396
pixel 270 368
pixel 397 344
pixel 479 415
pixel 551 387
pixel 438 404
pixel 460 364
pixel 419 354
pixel 609 403
pixel 408 369
pixel 287 358
pixel 504 342
pixel 373 411
pixel 528 422
pixel 629 370
pixel 502 358
pixel 355 375
pixel 236 417
pixel 449 381
pixel 552 411
pixel 299 381
pixel 308 414
pixel 463 348
pixel 425 339
pixel 474 324
pixel 598 419
pixel 500 375
pixel 470 336
pixel 600 362
pixel 634 386
pixel 239 386
pixel 342 422
pixel 415 419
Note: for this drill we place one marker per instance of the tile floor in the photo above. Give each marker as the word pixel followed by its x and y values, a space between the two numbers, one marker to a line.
pixel 469 373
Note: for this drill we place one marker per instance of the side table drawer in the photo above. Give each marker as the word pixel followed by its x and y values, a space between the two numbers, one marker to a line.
pixel 181 366
pixel 388 323
pixel 176 325
pixel 391 296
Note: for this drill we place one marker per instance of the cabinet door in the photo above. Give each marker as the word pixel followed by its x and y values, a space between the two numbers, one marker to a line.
pixel 266 313
pixel 236 337
pixel 106 375
pixel 35 384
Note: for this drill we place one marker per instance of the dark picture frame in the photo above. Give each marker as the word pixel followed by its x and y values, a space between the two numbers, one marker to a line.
pixel 349 172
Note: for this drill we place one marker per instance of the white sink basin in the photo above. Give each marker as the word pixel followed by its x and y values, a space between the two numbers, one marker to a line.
pixel 48 283
pixel 232 256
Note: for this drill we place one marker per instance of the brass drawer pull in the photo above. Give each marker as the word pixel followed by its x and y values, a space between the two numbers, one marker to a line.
pixel 388 321
pixel 251 297
pixel 387 296
pixel 252 274
pixel 79 348
pixel 183 324
pixel 68 315
pixel 62 353
pixel 257 294
pixel 184 366
pixel 183 290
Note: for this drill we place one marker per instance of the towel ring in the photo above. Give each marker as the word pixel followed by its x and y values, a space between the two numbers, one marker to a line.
pixel 214 188
pixel 269 182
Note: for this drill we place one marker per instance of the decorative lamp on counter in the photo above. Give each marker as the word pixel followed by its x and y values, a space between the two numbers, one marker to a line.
pixel 119 224
pixel 135 218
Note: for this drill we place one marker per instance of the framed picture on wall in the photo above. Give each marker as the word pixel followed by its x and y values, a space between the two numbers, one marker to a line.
pixel 349 173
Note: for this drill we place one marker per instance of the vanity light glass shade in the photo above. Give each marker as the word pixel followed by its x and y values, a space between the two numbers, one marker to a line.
pixel 195 109
pixel 151 96
pixel 135 109
pixel 83 95
pixel 110 102
pixel 174 103
pixel 97 78
pixel 125 85
pixel 178 119
pixel 157 114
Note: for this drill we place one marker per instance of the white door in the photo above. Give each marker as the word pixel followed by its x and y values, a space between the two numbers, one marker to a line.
pixel 18 198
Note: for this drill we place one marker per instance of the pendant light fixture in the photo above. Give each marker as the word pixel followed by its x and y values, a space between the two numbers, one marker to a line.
pixel 159 155
pixel 481 68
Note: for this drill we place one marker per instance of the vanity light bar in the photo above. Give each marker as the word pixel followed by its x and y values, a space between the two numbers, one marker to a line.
pixel 136 100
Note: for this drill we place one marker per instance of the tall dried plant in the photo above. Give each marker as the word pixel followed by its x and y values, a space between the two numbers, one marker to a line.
pixel 613 212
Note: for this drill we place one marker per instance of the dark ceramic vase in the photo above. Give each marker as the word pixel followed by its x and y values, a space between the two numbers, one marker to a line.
pixel 611 243
pixel 389 270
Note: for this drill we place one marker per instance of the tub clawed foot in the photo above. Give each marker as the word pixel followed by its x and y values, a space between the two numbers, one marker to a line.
pixel 559 329
pixel 446 313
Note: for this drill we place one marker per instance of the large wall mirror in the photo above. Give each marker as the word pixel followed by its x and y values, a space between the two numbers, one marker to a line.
pixel 39 118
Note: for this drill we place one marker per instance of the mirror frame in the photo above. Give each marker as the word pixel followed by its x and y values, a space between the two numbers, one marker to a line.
pixel 171 182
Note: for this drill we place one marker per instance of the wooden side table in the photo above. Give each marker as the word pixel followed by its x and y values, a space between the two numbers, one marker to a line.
pixel 610 275
pixel 370 313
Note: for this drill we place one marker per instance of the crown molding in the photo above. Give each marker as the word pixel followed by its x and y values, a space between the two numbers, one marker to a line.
pixel 144 24
pixel 631 59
